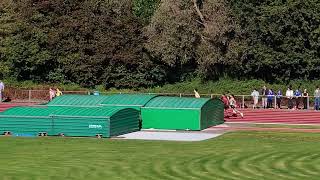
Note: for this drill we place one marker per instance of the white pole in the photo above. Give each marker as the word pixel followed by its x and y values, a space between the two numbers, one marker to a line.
pixel 242 101
pixel 29 95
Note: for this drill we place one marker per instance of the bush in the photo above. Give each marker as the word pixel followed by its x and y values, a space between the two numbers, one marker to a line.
pixel 237 87
pixel 30 85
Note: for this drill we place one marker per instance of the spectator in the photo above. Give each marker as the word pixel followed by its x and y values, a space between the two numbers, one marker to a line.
pixel 317 98
pixel 289 95
pixel 233 105
pixel 264 93
pixel 305 99
pixel 58 92
pixel 270 96
pixel 196 94
pixel 52 93
pixel 1 90
pixel 278 99
pixel 297 95
pixel 255 96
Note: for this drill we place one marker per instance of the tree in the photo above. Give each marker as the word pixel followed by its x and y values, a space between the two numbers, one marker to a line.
pixel 25 45
pixel 88 42
pixel 7 26
pixel 100 42
pixel 192 35
pixel 218 39
pixel 281 37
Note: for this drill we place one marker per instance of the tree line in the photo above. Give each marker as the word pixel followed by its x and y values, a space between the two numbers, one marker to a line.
pixel 147 43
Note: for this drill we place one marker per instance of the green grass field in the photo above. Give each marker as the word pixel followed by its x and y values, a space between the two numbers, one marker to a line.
pixel 286 126
pixel 238 155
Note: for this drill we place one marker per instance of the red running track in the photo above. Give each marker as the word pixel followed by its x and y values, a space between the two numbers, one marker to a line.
pixel 283 116
pixel 5 106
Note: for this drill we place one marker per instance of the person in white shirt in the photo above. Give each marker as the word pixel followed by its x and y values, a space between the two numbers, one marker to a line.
pixel 233 105
pixel 196 94
pixel 52 93
pixel 264 93
pixel 1 90
pixel 255 96
pixel 289 95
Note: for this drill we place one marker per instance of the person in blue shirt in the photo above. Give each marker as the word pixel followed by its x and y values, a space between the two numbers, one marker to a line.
pixel 270 97
pixel 297 94
pixel 278 99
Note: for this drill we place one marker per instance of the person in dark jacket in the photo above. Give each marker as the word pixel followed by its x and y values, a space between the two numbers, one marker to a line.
pixel 305 96
pixel 278 99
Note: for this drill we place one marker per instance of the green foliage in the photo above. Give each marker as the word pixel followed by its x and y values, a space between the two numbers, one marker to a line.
pixel 192 38
pixel 25 45
pixel 243 87
pixel 85 42
pixel 144 9
pixel 282 38
pixel 7 26
pixel 29 85
pixel 234 86
pixel 136 44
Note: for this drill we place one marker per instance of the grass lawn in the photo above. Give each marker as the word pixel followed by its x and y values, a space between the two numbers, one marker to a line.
pixel 238 155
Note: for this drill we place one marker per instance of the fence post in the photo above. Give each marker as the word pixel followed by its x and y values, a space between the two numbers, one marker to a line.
pixel 211 96
pixel 308 101
pixel 275 102
pixel 29 95
pixel 243 101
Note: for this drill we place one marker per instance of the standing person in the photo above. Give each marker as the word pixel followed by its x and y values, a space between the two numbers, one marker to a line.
pixel 270 96
pixel 52 93
pixel 264 93
pixel 297 95
pixel 278 99
pixel 58 92
pixel 255 96
pixel 233 104
pixel 196 94
pixel 317 98
pixel 1 90
pixel 305 96
pixel 289 95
